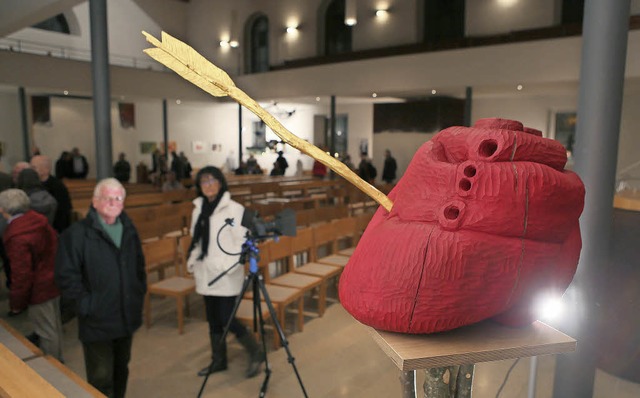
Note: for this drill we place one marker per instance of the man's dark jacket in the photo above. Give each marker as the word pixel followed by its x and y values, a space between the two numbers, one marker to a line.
pixel 107 283
pixel 59 191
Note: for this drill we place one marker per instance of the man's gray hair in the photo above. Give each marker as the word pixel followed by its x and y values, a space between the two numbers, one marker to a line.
pixel 14 201
pixel 108 183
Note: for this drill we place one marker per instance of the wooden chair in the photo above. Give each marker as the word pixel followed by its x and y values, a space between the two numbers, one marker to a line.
pixel 325 273
pixel 177 286
pixel 280 255
pixel 159 254
pixel 281 297
pixel 362 221
pixel 345 228
pixel 324 236
pixel 246 316
pixel 306 283
pixel 301 247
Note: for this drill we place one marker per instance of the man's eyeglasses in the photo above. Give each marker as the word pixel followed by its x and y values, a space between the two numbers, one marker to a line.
pixel 208 182
pixel 112 199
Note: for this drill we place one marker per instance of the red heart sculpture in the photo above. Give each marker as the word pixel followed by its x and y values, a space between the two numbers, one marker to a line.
pixel 483 220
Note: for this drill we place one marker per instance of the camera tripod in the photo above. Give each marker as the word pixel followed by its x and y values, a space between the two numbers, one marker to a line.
pixel 254 280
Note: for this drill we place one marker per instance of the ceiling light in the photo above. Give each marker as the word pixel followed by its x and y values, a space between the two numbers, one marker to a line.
pixel 224 43
pixel 233 43
pixel 317 99
pixel 292 29
pixel 65 92
pixel 382 13
pixel 178 102
pixel 350 12
pixel 374 95
pixel 519 87
pixel 434 92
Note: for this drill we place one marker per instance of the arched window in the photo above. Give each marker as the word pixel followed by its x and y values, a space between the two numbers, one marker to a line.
pixel 257 34
pixel 54 24
pixel 337 35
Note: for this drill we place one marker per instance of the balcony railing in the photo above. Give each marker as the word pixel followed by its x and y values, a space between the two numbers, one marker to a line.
pixel 32 47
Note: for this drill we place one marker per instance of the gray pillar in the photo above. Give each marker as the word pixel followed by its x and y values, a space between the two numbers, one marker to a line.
pixel 25 123
pixel 332 126
pixel 239 135
pixel 101 87
pixel 165 129
pixel 604 46
pixel 468 97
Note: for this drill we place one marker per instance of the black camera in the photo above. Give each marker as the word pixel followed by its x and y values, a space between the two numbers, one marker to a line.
pixel 283 224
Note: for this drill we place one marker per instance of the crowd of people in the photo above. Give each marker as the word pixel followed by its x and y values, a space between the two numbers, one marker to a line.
pixel 180 166
pixel 72 165
pixel 97 265
pixel 94 269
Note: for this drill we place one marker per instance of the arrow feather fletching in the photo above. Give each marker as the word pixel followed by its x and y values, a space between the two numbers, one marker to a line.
pixel 190 57
pixel 170 62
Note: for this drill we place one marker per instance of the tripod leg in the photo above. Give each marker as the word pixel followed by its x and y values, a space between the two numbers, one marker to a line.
pixel 283 339
pixel 223 337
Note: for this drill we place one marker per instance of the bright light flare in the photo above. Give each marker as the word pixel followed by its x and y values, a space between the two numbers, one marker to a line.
pixel 549 307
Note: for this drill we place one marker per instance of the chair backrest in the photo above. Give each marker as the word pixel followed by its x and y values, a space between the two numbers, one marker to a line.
pixel 305 217
pixel 183 250
pixel 280 253
pixel 301 247
pixel 148 229
pixel 324 235
pixel 161 253
pixel 345 228
pixel 362 220
pixel 173 223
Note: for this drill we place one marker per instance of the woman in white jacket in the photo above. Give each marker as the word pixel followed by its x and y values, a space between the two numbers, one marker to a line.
pixel 207 260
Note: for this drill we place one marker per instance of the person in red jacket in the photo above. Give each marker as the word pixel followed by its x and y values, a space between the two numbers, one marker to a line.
pixel 31 243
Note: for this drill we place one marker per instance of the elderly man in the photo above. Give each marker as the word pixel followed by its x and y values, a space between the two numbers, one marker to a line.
pixel 62 219
pixel 100 265
pixel 31 244
pixel 17 168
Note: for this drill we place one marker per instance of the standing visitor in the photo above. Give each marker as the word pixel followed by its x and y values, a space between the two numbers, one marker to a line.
pixel 209 257
pixel 100 265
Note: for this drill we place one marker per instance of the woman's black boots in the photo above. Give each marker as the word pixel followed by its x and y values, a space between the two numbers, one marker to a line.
pixel 218 355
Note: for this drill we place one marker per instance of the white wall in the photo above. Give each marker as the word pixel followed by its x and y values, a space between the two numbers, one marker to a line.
pixel 125 21
pixel 489 17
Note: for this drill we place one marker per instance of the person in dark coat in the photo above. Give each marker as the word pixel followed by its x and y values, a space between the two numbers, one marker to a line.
pixel 41 200
pixel 64 168
pixel 79 165
pixel 31 244
pixel 62 219
pixel 366 170
pixel 177 167
pixel 101 266
pixel 122 169
pixel 390 167
pixel 282 162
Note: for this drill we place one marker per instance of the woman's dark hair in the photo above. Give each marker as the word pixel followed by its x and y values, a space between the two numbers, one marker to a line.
pixel 217 174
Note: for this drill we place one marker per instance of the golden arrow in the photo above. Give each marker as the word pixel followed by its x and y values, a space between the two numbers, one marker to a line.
pixel 195 68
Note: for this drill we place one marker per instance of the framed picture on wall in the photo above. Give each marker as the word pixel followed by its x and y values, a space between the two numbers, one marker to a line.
pixel 147 147
pixel 198 146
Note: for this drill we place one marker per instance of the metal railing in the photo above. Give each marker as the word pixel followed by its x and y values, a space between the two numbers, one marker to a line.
pixel 49 50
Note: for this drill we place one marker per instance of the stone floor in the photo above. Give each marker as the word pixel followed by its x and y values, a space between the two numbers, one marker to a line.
pixel 335 357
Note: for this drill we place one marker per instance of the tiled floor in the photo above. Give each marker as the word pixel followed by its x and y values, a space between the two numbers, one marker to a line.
pixel 334 355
